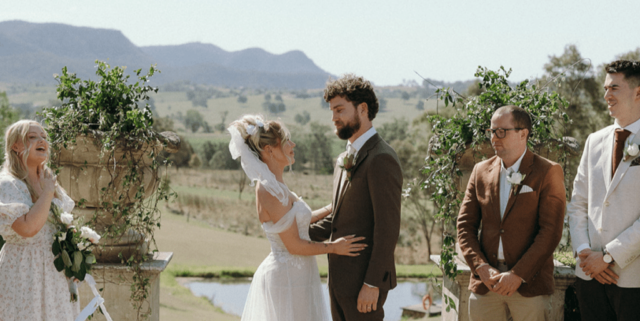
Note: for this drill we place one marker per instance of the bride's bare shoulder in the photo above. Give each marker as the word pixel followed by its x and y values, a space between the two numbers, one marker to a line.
pixel 264 197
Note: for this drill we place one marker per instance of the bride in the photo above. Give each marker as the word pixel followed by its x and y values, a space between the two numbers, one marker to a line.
pixel 286 286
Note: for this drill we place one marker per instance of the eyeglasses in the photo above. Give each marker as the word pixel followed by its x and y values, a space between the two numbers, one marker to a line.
pixel 499 132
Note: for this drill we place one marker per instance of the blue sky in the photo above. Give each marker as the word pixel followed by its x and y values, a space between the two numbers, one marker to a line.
pixel 385 41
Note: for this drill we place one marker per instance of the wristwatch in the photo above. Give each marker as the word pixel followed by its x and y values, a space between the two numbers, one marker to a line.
pixel 607 257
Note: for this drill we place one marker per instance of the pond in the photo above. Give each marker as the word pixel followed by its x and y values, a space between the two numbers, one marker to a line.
pixel 231 295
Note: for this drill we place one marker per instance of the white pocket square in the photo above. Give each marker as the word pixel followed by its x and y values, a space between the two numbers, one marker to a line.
pixel 526 189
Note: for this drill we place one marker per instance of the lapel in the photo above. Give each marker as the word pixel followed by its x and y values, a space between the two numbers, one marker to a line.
pixel 494 185
pixel 606 155
pixel 622 168
pixel 525 169
pixel 337 180
pixel 362 154
pixel 364 151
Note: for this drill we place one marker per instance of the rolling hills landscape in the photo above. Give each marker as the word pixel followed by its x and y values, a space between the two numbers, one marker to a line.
pixel 30 53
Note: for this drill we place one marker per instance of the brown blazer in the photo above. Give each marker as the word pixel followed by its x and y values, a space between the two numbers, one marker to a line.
pixel 369 207
pixel 531 228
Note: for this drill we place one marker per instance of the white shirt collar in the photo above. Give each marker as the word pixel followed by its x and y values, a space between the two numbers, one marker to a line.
pixel 360 141
pixel 633 127
pixel 516 166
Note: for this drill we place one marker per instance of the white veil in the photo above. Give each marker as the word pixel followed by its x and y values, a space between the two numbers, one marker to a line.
pixel 256 169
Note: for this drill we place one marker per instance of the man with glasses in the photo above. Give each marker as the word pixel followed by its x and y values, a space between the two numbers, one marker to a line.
pixel 604 213
pixel 510 222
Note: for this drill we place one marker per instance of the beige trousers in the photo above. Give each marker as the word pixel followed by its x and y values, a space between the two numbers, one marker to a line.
pixel 493 307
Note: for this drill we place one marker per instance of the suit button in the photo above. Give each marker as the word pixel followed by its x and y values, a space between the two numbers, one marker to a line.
pixel 335 230
pixel 599 229
pixel 606 203
pixel 494 255
pixel 501 231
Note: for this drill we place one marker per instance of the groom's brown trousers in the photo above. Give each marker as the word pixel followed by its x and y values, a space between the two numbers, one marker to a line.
pixel 345 308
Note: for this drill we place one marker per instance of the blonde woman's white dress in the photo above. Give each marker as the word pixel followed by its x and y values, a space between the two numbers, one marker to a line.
pixel 286 287
pixel 30 286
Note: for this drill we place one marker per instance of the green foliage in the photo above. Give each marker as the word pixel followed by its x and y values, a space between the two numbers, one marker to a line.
pixel 396 130
pixel 108 111
pixel 195 161
pixel 465 129
pixel 324 104
pixel 242 99
pixel 8 116
pixel 199 97
pixel 420 105
pixel 217 156
pixel 314 148
pixel 303 118
pixel 194 121
pixel 382 104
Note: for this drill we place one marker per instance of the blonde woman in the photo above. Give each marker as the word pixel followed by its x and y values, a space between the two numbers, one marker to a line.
pixel 30 286
pixel 286 286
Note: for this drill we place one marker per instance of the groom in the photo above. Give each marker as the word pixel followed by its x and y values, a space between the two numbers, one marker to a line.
pixel 367 191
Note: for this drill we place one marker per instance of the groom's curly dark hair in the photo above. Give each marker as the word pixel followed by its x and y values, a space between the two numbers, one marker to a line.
pixel 354 89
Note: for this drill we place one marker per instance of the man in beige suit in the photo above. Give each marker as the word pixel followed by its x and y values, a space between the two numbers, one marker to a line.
pixel 367 190
pixel 605 208
pixel 519 199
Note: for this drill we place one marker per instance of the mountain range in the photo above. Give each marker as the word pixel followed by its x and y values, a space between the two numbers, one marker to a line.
pixel 33 52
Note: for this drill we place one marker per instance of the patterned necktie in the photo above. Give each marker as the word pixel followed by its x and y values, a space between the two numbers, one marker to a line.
pixel 621 136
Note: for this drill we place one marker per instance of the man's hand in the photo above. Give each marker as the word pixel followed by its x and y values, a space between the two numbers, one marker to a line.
pixel 607 276
pixel 368 299
pixel 508 283
pixel 592 263
pixel 486 273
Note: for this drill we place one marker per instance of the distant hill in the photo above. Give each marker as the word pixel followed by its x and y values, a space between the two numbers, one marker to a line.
pixel 33 52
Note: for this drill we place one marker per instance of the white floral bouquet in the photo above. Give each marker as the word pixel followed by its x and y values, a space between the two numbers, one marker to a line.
pixel 72 248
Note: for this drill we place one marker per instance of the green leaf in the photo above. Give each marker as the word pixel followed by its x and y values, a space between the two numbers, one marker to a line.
pixel 56 247
pixel 59 264
pixel 78 259
pixel 65 258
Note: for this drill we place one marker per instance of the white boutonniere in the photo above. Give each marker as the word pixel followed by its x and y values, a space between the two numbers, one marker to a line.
pixel 515 179
pixel 631 150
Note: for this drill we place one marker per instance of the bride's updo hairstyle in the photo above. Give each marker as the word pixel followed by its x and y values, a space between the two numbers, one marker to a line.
pixel 258 133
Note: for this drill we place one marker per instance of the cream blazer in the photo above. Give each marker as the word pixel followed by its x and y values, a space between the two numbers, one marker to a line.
pixel 604 211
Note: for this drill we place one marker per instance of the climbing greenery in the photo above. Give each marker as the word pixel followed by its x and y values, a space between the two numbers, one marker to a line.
pixel 466 129
pixel 113 113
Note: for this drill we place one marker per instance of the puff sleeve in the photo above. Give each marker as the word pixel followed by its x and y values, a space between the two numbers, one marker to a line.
pixel 64 201
pixel 14 202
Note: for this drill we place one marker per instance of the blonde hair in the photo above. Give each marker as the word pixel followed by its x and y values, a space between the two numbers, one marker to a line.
pixel 272 133
pixel 15 163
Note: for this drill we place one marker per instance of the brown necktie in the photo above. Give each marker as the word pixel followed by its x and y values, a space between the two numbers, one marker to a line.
pixel 621 136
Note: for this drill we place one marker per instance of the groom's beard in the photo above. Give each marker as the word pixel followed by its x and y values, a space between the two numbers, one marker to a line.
pixel 349 128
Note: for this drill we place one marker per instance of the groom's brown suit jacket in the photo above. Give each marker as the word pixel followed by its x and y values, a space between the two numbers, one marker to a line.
pixel 369 207
pixel 530 229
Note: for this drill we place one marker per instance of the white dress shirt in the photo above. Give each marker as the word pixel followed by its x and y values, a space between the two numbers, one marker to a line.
pixel 505 189
pixel 634 128
pixel 360 141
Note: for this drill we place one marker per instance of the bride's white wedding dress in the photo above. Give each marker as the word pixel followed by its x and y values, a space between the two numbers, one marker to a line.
pixel 286 287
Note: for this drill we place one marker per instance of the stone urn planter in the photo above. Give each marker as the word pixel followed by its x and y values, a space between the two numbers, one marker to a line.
pixel 84 173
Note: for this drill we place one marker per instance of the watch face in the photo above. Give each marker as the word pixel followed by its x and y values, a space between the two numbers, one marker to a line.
pixel 607 258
